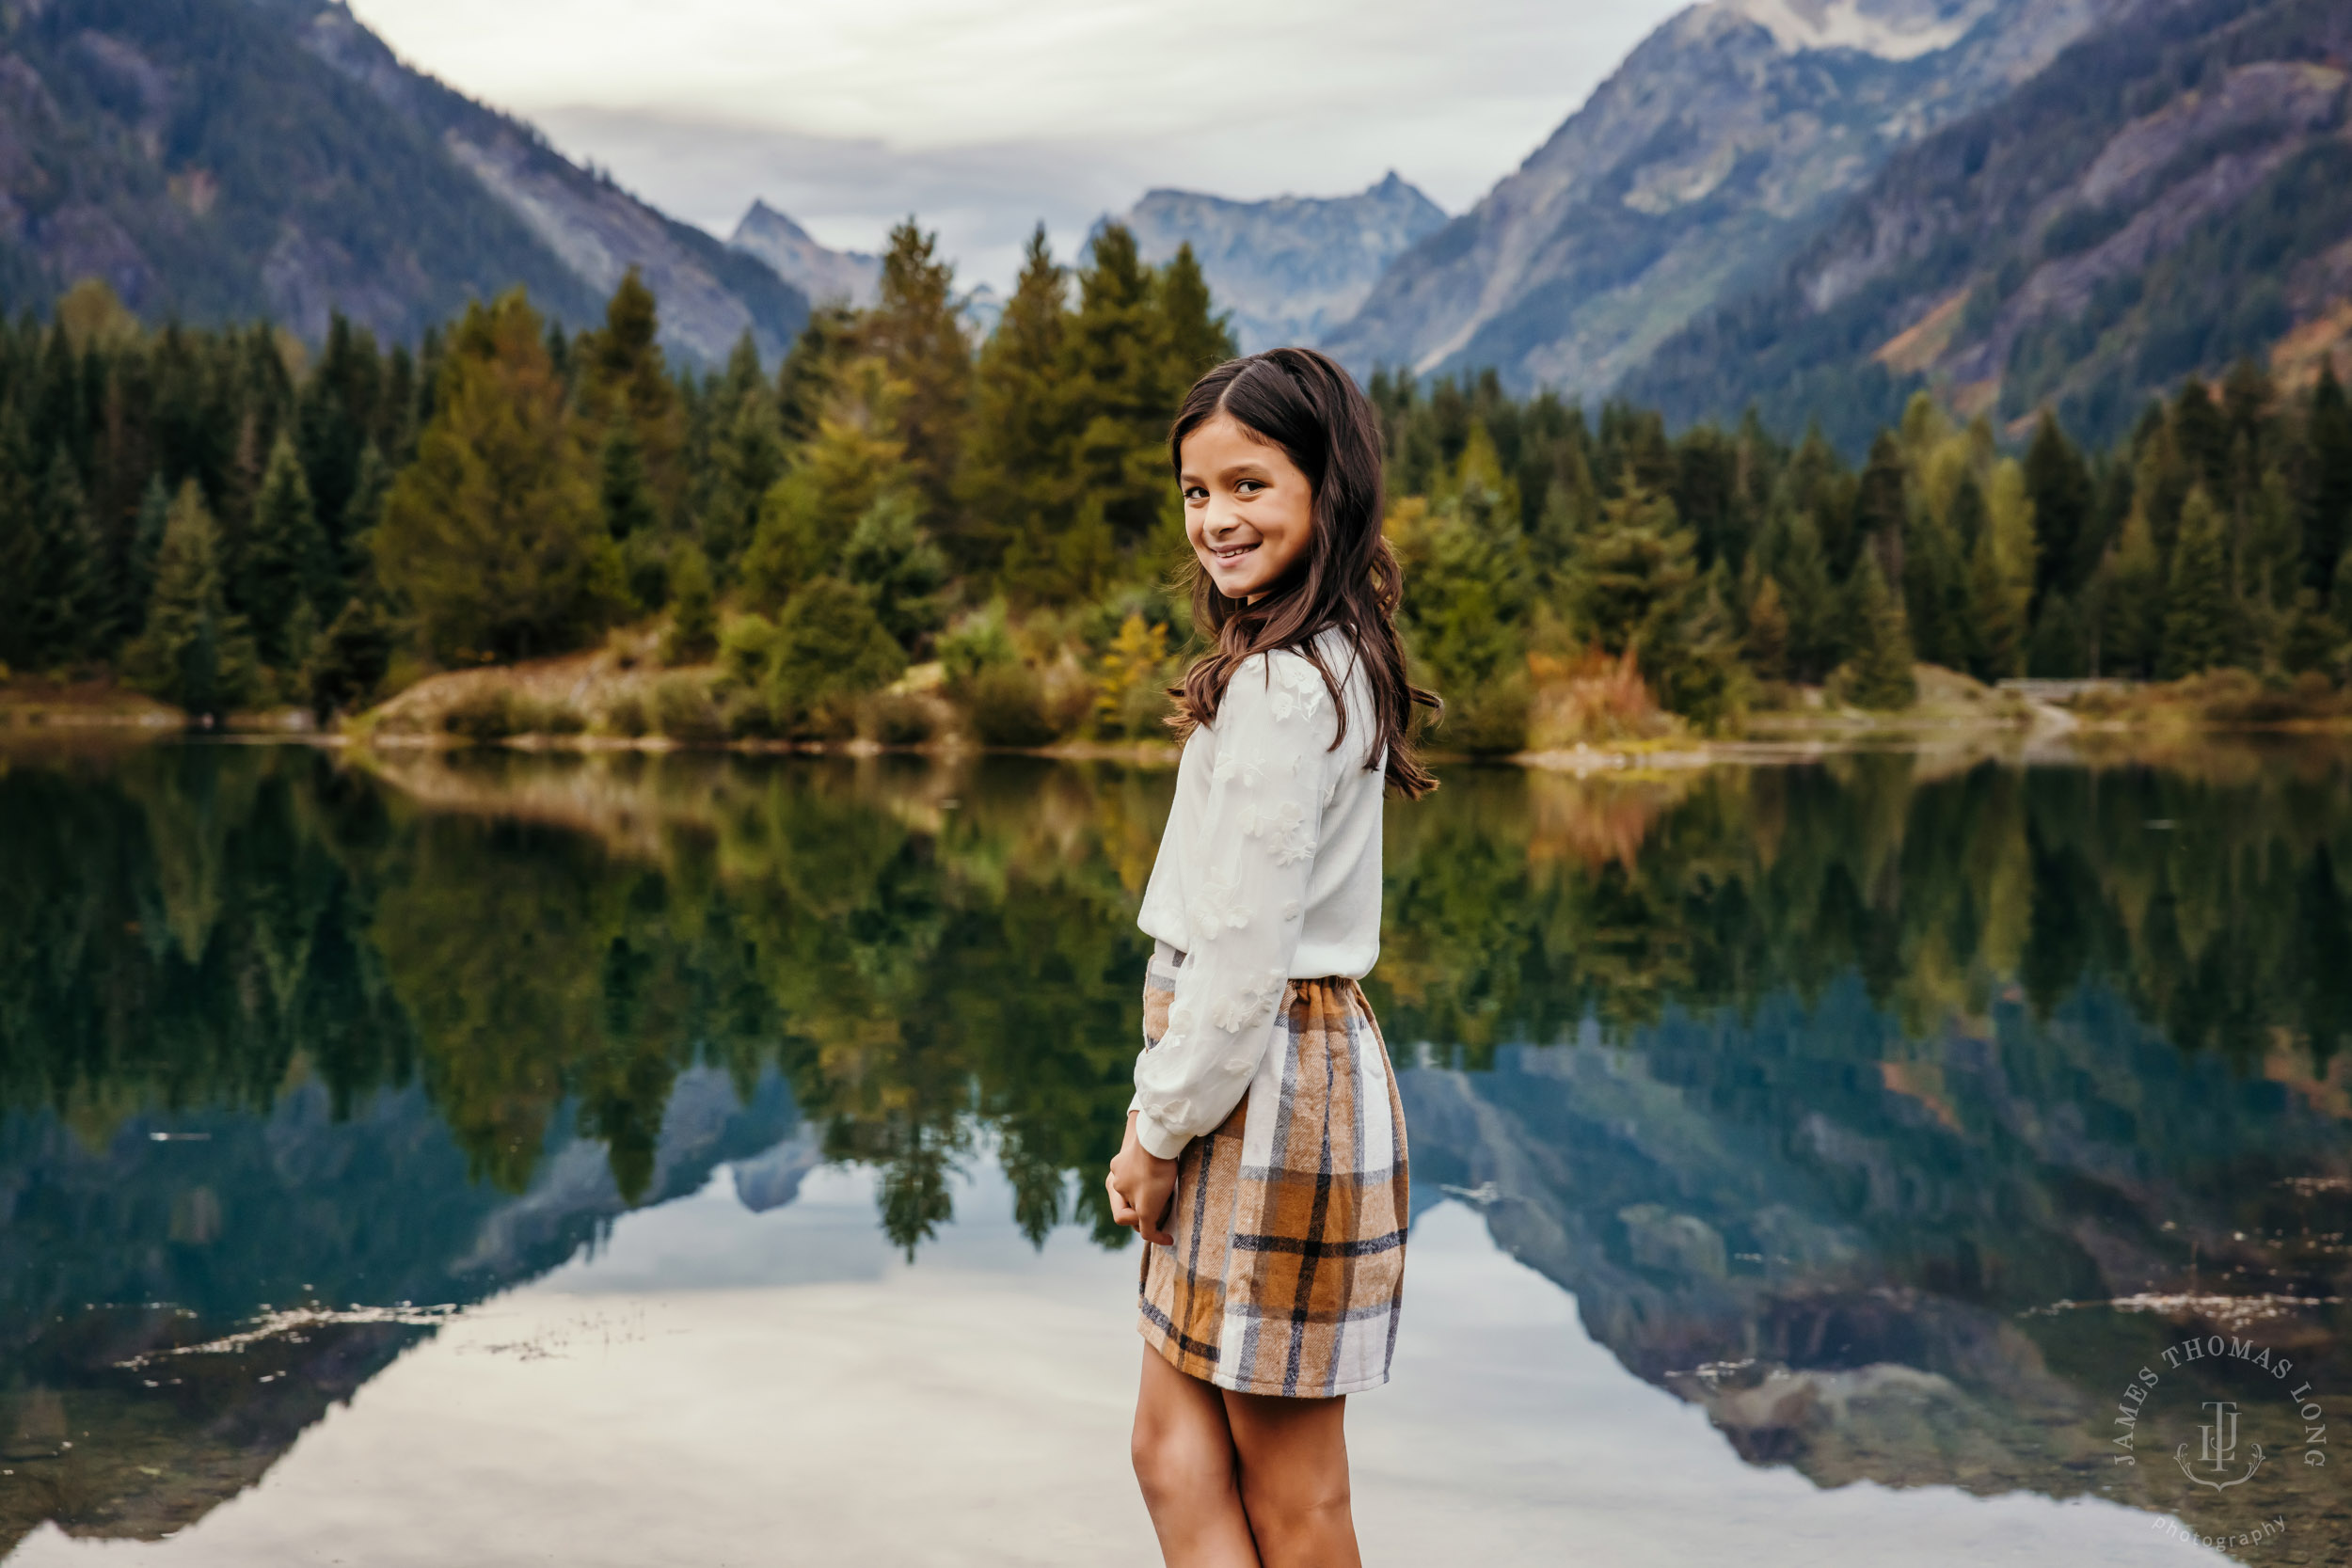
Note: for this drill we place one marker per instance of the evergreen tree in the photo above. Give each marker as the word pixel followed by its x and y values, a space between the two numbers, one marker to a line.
pixel 805 384
pixel 492 536
pixel 1817 642
pixel 1881 512
pixel 2130 595
pixel 1768 630
pixel 748 462
pixel 67 590
pixel 693 634
pixel 2059 483
pixel 1117 383
pixel 2199 616
pixel 1635 578
pixel 193 651
pixel 915 332
pixel 894 561
pixel 2327 509
pixel 285 564
pixel 146 542
pixel 371 486
pixel 1938 550
pixel 855 460
pixel 350 660
pixel 20 546
pixel 1197 338
pixel 1882 676
pixel 1016 470
pixel 624 381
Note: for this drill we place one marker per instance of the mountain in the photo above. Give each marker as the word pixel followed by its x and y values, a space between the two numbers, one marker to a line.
pixel 223 159
pixel 1715 151
pixel 1293 268
pixel 821 274
pixel 2165 199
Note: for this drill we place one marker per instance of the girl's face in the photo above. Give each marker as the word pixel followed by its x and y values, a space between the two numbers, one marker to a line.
pixel 1248 511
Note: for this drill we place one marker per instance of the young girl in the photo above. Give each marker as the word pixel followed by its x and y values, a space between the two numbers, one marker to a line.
pixel 1264 1157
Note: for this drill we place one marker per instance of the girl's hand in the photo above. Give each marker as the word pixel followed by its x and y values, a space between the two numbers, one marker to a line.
pixel 1143 1189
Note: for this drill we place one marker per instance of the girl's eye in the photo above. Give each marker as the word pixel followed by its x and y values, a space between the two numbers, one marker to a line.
pixel 1250 486
pixel 1196 492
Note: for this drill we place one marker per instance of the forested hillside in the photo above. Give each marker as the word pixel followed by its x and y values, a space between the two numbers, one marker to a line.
pixel 228 160
pixel 226 523
pixel 2168 197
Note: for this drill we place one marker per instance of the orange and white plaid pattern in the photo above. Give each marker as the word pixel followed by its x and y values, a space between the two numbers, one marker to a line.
pixel 1288 1268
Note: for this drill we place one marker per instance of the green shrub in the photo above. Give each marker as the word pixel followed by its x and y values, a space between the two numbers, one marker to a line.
pixel 830 649
pixel 982 641
pixel 482 715
pixel 682 710
pixel 1008 708
pixel 624 714
pixel 898 719
pixel 533 717
pixel 746 716
pixel 1486 720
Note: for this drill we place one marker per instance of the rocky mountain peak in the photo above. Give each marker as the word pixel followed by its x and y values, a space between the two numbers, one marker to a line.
pixel 1292 268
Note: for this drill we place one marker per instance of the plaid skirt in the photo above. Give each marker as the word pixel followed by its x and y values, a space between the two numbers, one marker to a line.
pixel 1288 1268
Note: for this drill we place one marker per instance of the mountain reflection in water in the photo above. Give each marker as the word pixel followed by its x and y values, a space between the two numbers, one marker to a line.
pixel 1846 1099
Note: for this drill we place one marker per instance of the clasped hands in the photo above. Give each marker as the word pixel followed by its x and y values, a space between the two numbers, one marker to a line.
pixel 1143 1189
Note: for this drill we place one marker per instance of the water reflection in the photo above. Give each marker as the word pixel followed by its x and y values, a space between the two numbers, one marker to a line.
pixel 1843 1097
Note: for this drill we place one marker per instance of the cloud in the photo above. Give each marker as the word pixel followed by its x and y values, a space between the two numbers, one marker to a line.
pixel 984 116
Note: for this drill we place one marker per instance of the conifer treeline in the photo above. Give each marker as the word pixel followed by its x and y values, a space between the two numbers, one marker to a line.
pixel 225 520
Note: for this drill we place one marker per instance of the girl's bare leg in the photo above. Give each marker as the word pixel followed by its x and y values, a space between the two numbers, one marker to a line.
pixel 1294 1479
pixel 1184 1459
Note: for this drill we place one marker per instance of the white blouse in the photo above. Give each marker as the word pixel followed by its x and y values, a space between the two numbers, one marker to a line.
pixel 1269 871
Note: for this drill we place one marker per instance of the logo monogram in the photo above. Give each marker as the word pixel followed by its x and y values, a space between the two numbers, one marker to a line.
pixel 2217 1446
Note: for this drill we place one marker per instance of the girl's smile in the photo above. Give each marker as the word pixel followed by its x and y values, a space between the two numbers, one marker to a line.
pixel 1248 511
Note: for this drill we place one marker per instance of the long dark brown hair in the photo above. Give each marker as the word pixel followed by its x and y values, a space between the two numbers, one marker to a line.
pixel 1348 577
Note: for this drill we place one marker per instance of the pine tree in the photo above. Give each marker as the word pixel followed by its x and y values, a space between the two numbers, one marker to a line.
pixel 350 660
pixel 1767 642
pixel 624 380
pixel 2328 507
pixel 1016 479
pixel 915 332
pixel 2199 615
pixel 21 545
pixel 371 486
pixel 693 634
pixel 2059 483
pixel 2130 594
pixel 146 542
pixel 1816 639
pixel 852 463
pixel 624 498
pixel 806 382
pixel 1882 505
pixel 1882 676
pixel 894 561
pixel 492 535
pixel 749 459
pixel 285 564
pixel 1117 386
pixel 1197 338
pixel 193 651
pixel 67 590
pixel 2001 576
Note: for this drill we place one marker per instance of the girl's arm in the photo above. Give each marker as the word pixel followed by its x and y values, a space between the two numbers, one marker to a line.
pixel 1249 890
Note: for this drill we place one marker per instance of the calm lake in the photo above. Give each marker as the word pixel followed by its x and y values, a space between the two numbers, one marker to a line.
pixel 641 1160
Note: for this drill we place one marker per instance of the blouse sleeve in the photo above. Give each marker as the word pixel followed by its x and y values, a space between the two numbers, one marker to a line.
pixel 1247 875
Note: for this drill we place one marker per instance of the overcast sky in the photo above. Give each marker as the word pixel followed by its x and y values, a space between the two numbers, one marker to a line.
pixel 984 116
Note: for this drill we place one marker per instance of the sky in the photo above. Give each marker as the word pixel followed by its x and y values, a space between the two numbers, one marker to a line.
pixel 985 117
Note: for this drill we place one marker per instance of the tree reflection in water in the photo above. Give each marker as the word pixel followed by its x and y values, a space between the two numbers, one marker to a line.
pixel 1820 1085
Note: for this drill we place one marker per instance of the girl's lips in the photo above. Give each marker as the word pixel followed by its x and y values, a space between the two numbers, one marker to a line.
pixel 1232 553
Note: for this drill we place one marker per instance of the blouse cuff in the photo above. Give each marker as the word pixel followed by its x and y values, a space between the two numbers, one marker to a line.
pixel 1163 1143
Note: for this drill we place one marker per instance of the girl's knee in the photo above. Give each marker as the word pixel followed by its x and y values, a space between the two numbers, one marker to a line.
pixel 1175 1465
